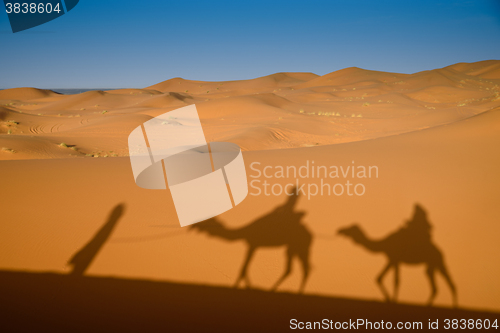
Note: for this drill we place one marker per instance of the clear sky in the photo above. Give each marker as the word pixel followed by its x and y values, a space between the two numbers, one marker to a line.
pixel 110 43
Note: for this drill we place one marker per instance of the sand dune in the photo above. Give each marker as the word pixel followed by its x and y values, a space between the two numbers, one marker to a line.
pixel 25 93
pixel 285 110
pixel 450 170
pixel 488 69
pixel 257 85
pixel 433 136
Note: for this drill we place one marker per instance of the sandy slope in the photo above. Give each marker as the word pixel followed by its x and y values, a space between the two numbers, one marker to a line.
pixel 428 150
pixel 54 207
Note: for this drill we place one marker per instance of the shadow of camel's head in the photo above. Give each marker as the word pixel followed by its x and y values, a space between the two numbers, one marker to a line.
pixel 209 226
pixel 352 231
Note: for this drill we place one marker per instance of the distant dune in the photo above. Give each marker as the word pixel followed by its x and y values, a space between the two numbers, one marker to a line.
pixel 283 110
pixel 25 93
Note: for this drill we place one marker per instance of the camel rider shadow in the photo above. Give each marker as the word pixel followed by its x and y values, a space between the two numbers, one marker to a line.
pixel 411 244
pixel 86 255
pixel 282 227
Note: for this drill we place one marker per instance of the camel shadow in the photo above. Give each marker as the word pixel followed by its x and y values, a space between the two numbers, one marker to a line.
pixel 411 244
pixel 45 301
pixel 282 227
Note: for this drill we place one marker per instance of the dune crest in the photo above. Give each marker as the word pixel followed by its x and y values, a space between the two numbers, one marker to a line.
pixel 277 111
pixel 25 93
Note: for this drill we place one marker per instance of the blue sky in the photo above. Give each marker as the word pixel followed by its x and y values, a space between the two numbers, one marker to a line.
pixel 109 44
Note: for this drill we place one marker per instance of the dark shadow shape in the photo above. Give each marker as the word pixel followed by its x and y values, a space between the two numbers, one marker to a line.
pixel 282 227
pixel 412 244
pixel 83 258
pixel 48 302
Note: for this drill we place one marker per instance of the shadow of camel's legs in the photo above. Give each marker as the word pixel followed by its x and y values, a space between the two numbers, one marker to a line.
pixel 286 273
pixel 243 273
pixel 396 283
pixel 304 260
pixel 380 279
pixel 430 273
pixel 444 271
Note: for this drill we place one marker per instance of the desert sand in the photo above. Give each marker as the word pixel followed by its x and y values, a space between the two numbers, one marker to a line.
pixel 433 135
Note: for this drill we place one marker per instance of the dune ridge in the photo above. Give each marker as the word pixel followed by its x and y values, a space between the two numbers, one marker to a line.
pixel 282 110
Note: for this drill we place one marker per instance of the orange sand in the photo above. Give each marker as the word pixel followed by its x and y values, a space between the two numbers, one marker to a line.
pixel 434 136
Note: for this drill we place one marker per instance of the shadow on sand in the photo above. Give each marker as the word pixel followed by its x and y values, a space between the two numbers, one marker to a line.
pixel 43 302
pixel 411 244
pixel 83 258
pixel 35 302
pixel 282 227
